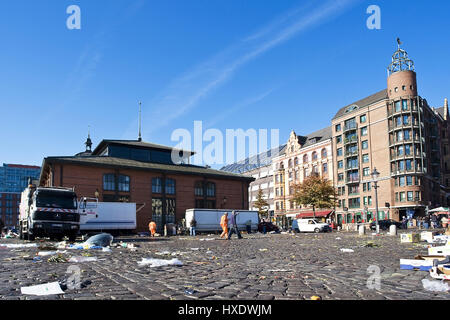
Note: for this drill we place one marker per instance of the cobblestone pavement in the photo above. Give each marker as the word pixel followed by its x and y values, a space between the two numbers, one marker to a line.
pixel 265 267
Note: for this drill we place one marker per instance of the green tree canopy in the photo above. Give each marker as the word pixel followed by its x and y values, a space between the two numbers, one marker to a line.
pixel 315 192
pixel 261 204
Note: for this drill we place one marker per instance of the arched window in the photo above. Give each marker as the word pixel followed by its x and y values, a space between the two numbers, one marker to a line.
pixel 305 158
pixel 199 188
pixel 210 189
pixel 296 161
pixel 324 153
pixel 314 156
pixel 290 163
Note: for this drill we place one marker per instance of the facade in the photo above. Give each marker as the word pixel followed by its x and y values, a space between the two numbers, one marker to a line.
pixel 304 155
pixel 144 173
pixel 13 180
pixel 396 132
pixel 260 168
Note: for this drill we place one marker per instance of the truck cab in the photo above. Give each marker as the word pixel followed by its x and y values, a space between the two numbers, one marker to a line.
pixel 48 212
pixel 312 225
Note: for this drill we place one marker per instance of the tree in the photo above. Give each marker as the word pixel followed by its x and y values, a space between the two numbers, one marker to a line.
pixel 316 192
pixel 261 204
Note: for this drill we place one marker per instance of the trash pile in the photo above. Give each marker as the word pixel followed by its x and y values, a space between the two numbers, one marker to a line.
pixel 437 262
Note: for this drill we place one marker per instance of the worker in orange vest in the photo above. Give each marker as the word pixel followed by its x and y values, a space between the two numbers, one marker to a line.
pixel 224 225
pixel 152 227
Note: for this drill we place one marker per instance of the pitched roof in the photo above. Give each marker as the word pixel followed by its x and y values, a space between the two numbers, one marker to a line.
pixel 381 95
pixel 113 162
pixel 440 111
pixel 318 136
pixel 261 160
pixel 133 143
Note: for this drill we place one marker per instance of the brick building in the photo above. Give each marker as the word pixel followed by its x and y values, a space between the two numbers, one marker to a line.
pixel 144 173
pixel 303 156
pixel 399 134
pixel 13 180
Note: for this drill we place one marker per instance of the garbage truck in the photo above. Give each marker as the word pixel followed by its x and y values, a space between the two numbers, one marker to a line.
pixel 48 212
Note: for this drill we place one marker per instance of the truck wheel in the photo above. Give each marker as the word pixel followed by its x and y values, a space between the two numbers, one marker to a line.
pixel 316 230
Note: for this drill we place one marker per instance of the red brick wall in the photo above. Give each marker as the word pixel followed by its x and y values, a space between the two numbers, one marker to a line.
pixel 87 179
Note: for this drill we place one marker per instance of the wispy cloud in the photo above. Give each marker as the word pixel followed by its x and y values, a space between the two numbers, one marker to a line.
pixel 185 92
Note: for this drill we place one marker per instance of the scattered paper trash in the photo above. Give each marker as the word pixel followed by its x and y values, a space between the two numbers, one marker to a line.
pixel 101 240
pixel 19 246
pixel 195 249
pixel 434 285
pixel 81 259
pixel 43 289
pixel 106 249
pixel 347 250
pixel 189 291
pixel 58 259
pixel 46 253
pixel 159 262
pixel 316 298
pixel 262 250
pixel 338 238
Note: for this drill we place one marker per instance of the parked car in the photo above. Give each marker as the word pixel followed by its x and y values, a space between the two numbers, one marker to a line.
pixel 385 224
pixel 269 227
pixel 312 225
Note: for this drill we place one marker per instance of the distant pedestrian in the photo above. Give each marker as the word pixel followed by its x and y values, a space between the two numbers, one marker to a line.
pixel 264 226
pixel 426 222
pixel 234 226
pixel 224 225
pixel 434 221
pixel 152 228
pixel 193 226
pixel 444 222
pixel 248 225
pixel 404 223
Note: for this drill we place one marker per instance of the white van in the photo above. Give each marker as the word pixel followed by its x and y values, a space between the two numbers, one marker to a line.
pixel 312 225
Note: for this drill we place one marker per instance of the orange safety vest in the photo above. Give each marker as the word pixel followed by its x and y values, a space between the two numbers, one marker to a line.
pixel 152 226
pixel 224 221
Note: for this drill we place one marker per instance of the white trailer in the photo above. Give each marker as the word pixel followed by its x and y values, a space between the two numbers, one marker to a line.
pixel 208 220
pixel 106 216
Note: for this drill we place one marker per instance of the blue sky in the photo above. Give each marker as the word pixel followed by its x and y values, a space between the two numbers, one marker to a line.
pixel 232 64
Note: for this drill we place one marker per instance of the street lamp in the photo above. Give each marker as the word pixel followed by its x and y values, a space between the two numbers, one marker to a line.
pixel 375 174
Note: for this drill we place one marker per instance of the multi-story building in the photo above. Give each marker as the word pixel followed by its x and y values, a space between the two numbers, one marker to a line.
pixel 13 180
pixel 260 168
pixel 303 156
pixel 144 173
pixel 396 132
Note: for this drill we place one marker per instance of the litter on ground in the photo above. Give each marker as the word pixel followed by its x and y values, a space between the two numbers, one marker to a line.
pixel 347 250
pixel 159 262
pixel 433 285
pixel 42 289
pixel 82 259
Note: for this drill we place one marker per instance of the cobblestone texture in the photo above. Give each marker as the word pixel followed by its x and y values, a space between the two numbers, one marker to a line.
pixel 258 267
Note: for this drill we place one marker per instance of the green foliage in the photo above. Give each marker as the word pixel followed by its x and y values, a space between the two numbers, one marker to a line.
pixel 315 192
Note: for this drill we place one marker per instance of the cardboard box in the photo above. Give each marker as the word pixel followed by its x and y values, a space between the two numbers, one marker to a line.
pixel 439 251
pixel 427 236
pixel 409 237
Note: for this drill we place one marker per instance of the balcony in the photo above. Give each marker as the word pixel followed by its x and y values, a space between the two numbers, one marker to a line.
pixel 353 179
pixel 351 153
pixel 350 126
pixel 352 167
pixel 353 139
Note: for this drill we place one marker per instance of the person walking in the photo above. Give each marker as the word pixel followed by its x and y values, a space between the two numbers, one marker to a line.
pixel 224 225
pixel 152 228
pixel 248 225
pixel 234 226
pixel 404 223
pixel 193 226
pixel 434 221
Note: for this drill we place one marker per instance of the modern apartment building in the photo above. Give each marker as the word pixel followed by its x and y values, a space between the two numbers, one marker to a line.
pixel 303 156
pixel 13 180
pixel 399 134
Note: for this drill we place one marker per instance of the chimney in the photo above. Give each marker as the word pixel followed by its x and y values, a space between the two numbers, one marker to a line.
pixel 445 109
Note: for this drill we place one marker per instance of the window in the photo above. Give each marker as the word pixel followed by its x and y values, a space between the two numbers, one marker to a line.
pixel 314 155
pixel 340 164
pixel 124 183
pixel 340 176
pixel 365 158
pixel 339 152
pixel 171 209
pixel 198 189
pixel 365 145
pixel 409 181
pixel 211 189
pixel 402 196
pixel 156 185
pixel 296 161
pixel 363 118
pixel 109 182
pixel 324 153
pixel 325 168
pixel 397 106
pixel 404 105
pixel 401 181
pixel 364 131
pixel 339 139
pixel 354 203
pixel 338 127
pixel 157 208
pixel 170 186
pixel 305 158
pixel 366 172
pixel 410 196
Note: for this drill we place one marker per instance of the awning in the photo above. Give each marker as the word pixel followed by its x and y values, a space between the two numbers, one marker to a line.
pixel 440 209
pixel 310 214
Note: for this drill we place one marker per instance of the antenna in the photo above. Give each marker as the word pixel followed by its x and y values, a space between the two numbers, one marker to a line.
pixel 140 136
